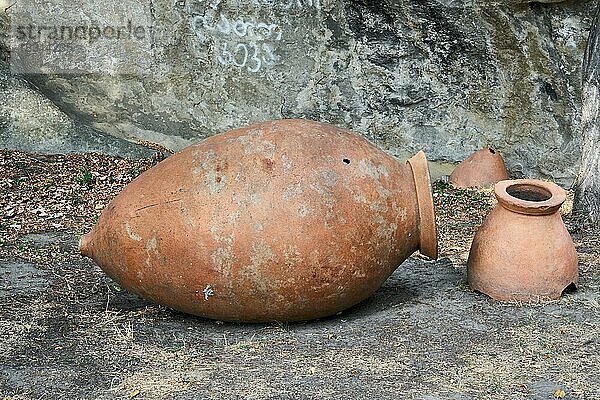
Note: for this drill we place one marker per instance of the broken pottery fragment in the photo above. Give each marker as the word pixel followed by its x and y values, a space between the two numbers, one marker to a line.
pixel 523 251
pixel 282 220
pixel 480 170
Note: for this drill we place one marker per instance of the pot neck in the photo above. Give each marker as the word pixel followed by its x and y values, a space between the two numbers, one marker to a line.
pixel 426 213
pixel 530 196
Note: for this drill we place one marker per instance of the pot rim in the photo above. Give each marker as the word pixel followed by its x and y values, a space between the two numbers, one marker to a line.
pixel 428 245
pixel 556 196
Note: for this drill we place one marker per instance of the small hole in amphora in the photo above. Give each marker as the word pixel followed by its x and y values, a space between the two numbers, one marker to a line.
pixel 346 161
pixel 492 151
pixel 529 192
pixel 570 289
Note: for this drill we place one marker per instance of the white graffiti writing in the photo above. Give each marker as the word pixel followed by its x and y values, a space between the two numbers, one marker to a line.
pixel 288 4
pixel 238 27
pixel 239 42
pixel 249 56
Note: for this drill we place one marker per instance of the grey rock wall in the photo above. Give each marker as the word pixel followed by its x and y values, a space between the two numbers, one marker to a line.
pixel 29 121
pixel 445 76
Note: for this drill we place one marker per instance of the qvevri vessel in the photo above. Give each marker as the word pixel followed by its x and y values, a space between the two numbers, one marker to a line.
pixel 481 169
pixel 279 221
pixel 523 251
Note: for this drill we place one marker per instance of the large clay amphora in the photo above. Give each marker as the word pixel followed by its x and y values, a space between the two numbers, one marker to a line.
pixel 283 220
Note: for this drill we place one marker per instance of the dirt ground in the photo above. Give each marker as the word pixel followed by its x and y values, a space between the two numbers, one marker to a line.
pixel 68 332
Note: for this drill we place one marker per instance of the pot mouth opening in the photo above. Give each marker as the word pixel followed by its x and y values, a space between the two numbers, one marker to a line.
pixel 428 245
pixel 529 192
pixel 530 196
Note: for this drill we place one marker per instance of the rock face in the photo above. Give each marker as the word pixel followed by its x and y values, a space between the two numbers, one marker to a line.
pixel 29 121
pixel 444 76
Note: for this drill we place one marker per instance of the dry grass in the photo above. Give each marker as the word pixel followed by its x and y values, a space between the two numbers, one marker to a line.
pixel 59 192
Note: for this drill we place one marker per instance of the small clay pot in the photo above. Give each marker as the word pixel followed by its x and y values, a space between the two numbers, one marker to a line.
pixel 523 251
pixel 480 170
pixel 283 220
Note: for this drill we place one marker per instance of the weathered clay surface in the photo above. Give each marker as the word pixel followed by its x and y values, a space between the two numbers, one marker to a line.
pixel 446 76
pixel 523 252
pixel 284 220
pixel 480 170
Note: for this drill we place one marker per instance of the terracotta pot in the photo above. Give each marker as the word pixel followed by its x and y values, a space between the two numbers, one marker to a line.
pixel 284 220
pixel 523 251
pixel 480 170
